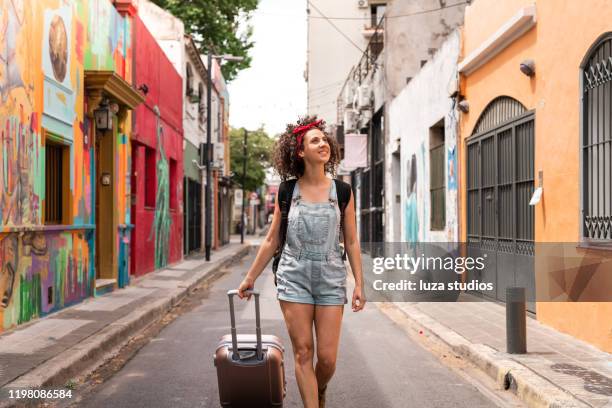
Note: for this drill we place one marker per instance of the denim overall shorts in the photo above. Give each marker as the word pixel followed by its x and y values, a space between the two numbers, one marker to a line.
pixel 311 269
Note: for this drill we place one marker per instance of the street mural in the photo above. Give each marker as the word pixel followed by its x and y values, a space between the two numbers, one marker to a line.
pixel 108 48
pixel 108 39
pixel 411 210
pixel 40 270
pixel 161 222
pixel 44 50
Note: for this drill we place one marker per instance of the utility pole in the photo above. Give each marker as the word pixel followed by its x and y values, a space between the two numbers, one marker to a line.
pixel 244 166
pixel 208 192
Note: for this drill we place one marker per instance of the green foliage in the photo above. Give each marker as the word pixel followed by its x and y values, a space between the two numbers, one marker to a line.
pixel 214 25
pixel 259 156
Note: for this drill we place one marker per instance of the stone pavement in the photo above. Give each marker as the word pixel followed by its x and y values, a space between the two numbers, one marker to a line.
pixel 557 367
pixel 49 350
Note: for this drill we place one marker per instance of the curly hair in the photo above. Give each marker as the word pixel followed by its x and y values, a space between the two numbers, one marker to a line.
pixel 285 159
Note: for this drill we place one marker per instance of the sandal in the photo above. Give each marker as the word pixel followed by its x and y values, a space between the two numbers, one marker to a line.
pixel 322 397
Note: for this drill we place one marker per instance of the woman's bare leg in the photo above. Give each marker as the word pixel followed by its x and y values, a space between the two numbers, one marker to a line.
pixel 328 320
pixel 298 318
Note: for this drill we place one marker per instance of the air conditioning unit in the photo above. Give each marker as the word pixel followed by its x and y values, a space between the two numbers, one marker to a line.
pixel 362 4
pixel 364 96
pixel 218 152
pixel 364 118
pixel 348 96
pixel 350 120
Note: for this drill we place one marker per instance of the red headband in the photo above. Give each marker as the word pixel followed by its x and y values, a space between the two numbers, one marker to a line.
pixel 301 130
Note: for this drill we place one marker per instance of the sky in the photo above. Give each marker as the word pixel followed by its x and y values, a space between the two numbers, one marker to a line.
pixel 272 92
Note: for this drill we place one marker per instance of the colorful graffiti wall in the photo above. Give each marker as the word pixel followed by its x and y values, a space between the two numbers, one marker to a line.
pixel 45 48
pixel 158 127
pixel 42 268
pixel 109 48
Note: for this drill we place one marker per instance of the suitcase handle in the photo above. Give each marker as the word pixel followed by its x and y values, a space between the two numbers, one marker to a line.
pixel 230 294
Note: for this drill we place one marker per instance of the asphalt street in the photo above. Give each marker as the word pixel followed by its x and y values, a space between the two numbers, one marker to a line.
pixel 378 364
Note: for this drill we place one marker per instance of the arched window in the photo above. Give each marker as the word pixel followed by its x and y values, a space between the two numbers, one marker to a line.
pixel 596 140
pixel 188 80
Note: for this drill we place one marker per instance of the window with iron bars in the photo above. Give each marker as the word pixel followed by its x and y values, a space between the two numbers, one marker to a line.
pixel 56 175
pixel 596 149
pixel 437 185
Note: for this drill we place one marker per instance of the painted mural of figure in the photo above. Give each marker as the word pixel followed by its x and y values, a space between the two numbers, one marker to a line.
pixel 10 25
pixel 9 248
pixel 411 214
pixel 161 222
pixel 58 48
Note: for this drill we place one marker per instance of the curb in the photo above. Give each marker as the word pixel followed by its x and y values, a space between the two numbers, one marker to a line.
pixel 59 369
pixel 508 374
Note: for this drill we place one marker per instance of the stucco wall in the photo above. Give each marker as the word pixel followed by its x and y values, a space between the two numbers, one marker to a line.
pixel 413 36
pixel 159 229
pixel 561 38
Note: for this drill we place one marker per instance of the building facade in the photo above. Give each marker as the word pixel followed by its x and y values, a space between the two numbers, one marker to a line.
pixel 400 44
pixel 536 92
pixel 329 54
pixel 423 126
pixel 157 157
pixel 64 203
pixel 182 52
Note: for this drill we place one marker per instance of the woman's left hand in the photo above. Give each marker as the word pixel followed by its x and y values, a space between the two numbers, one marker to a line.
pixel 358 299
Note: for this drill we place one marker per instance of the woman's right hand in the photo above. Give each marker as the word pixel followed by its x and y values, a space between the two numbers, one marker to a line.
pixel 246 284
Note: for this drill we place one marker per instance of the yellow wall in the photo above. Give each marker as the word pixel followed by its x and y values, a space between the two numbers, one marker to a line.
pixel 564 32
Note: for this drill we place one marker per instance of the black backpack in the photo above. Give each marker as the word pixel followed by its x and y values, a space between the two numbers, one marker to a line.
pixel 285 192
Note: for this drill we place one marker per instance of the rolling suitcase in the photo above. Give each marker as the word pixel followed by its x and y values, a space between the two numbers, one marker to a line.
pixel 250 368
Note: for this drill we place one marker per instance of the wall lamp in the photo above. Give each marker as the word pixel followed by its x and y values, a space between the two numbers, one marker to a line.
pixel 103 116
pixel 528 67
pixel 464 106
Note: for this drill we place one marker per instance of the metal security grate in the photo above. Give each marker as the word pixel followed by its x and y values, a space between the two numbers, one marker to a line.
pixel 53 183
pixel 597 142
pixel 500 110
pixel 500 183
pixel 437 188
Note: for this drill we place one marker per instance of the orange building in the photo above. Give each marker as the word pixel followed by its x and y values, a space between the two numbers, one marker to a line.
pixel 537 81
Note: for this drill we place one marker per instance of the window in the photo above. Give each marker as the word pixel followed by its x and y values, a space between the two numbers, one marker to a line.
pixel 201 103
pixel 150 172
pixel 188 80
pixel 172 185
pixel 377 12
pixel 437 188
pixel 55 196
pixel 596 150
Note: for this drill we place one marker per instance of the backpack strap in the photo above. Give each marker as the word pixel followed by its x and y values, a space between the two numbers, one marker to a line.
pixel 285 195
pixel 343 191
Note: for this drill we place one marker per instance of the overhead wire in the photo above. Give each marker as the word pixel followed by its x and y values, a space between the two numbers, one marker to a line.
pixel 323 17
pixel 335 26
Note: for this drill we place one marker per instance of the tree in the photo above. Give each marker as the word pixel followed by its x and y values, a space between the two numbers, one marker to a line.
pixel 214 26
pixel 259 155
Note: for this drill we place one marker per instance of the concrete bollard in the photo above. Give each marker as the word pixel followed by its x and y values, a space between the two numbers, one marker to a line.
pixel 516 321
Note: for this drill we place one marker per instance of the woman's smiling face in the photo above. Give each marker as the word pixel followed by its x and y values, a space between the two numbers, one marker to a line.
pixel 316 147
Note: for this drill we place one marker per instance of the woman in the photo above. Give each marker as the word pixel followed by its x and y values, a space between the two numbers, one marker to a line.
pixel 311 275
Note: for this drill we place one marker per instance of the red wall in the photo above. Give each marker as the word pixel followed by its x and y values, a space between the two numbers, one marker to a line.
pixel 151 67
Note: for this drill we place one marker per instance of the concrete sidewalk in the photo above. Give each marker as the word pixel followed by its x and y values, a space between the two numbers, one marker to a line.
pixel 49 351
pixel 557 371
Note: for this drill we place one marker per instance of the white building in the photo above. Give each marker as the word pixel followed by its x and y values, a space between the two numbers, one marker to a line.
pixel 337 35
pixel 406 39
pixel 422 124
